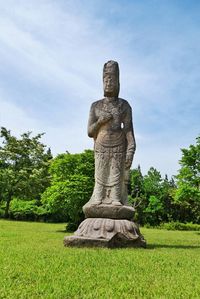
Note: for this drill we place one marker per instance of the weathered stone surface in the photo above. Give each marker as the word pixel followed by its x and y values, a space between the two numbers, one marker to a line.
pixel 106 233
pixel 117 241
pixel 104 228
pixel 110 125
pixel 108 211
pixel 108 215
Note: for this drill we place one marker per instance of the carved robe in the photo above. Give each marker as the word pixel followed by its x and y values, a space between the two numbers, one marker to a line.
pixel 113 141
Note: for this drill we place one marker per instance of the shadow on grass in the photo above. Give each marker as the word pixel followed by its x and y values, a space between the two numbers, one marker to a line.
pixel 65 231
pixel 154 246
pixel 62 231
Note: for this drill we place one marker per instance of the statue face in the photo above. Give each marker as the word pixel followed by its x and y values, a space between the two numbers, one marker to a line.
pixel 111 85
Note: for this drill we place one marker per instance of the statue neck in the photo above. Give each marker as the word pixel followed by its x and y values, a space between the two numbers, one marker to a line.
pixel 111 99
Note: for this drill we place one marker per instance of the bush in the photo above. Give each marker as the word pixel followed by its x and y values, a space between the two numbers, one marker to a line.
pixel 176 225
pixel 26 210
pixel 2 212
pixel 64 200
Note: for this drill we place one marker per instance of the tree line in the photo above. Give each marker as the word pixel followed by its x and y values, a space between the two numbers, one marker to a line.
pixel 36 186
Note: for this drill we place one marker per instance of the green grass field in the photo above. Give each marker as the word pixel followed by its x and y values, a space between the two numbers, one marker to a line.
pixel 35 264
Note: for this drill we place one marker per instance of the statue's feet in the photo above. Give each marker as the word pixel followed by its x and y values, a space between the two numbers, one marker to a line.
pixel 116 203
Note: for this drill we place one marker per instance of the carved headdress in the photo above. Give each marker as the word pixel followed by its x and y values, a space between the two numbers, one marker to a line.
pixel 112 68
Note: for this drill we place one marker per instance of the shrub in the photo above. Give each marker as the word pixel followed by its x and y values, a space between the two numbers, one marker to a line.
pixel 27 210
pixel 23 209
pixel 179 226
pixel 2 212
pixel 64 200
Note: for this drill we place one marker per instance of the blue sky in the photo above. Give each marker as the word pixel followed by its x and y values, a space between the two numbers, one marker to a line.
pixel 51 58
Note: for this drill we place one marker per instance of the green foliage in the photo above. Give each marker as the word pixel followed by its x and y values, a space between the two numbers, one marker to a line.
pixel 35 264
pixel 24 167
pixel 176 225
pixel 190 166
pixel 188 180
pixel 21 209
pixel 2 212
pixel 72 186
pixel 152 196
pixel 152 182
pixel 136 197
pixel 160 200
pixel 136 182
pixel 66 165
pixel 152 191
pixel 154 210
pixel 28 173
pixel 27 210
pixel 64 200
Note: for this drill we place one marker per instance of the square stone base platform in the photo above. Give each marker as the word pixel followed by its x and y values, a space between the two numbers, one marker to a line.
pixel 117 241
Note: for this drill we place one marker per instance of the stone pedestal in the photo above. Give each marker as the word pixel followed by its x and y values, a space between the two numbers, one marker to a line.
pixel 111 227
pixel 108 211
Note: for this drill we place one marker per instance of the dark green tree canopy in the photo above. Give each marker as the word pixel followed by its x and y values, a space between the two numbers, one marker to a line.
pixel 189 172
pixel 188 180
pixel 71 186
pixel 24 164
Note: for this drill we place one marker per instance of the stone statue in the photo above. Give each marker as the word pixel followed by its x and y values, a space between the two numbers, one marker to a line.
pixel 108 220
pixel 110 125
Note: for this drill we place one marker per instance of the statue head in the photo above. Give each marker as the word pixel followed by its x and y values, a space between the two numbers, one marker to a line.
pixel 111 79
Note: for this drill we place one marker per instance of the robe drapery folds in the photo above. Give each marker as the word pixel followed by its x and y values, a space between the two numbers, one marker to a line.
pixel 113 141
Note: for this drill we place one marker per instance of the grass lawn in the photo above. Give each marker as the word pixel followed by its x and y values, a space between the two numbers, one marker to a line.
pixel 35 264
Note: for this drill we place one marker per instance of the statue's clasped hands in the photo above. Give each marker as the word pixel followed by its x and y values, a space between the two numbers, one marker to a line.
pixel 104 118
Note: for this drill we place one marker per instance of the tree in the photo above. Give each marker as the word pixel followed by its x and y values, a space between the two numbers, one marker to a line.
pixel 153 191
pixel 71 187
pixel 137 187
pixel 152 196
pixel 24 164
pixel 136 196
pixel 168 188
pixel 66 165
pixel 189 172
pixel 152 182
pixel 188 181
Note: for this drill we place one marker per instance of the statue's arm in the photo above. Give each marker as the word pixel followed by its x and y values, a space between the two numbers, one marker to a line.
pixel 130 137
pixel 95 122
pixel 93 125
